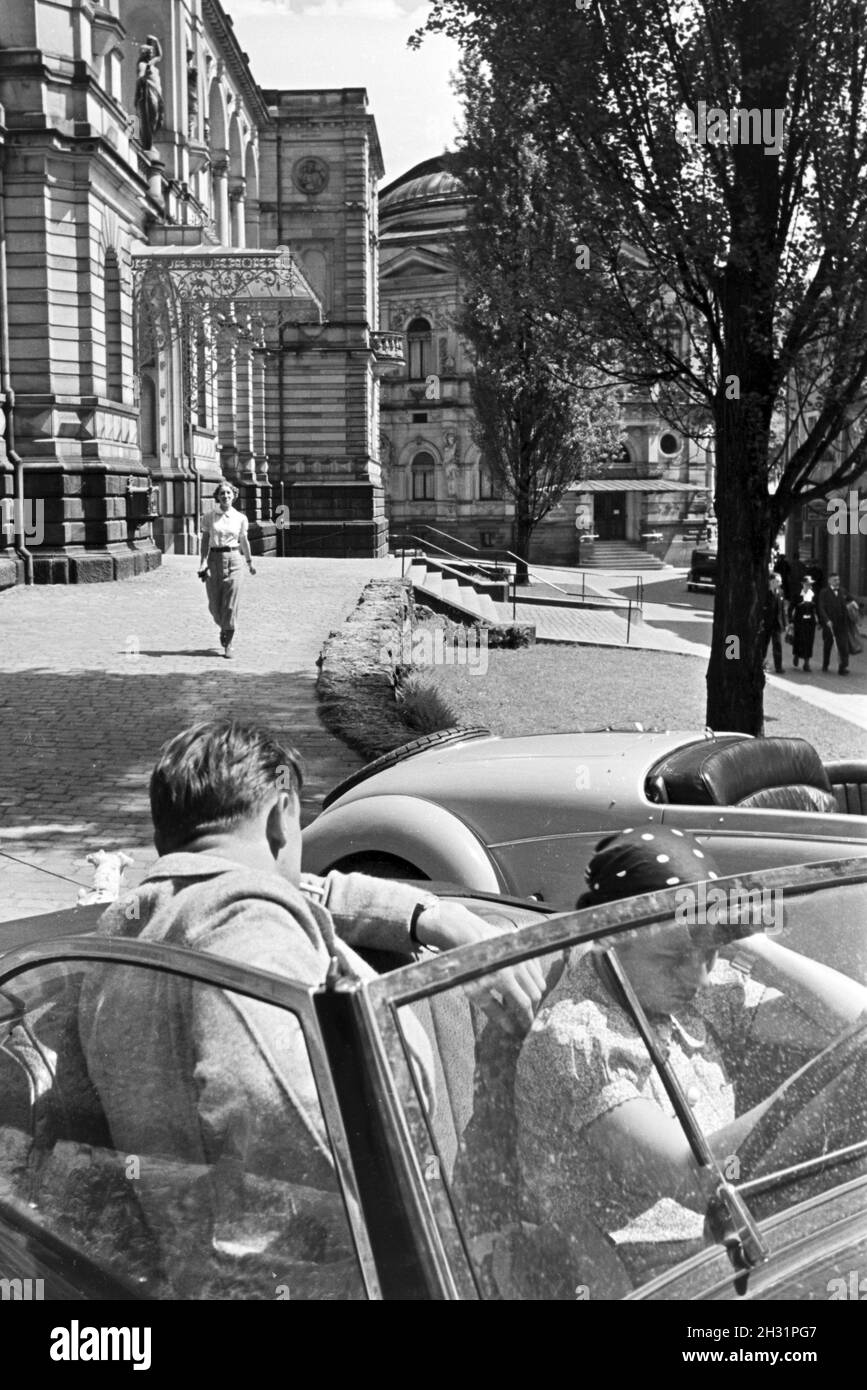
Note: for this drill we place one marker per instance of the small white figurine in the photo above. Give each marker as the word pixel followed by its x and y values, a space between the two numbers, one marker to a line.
pixel 108 871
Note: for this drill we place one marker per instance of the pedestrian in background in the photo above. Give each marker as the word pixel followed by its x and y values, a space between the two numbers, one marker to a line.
pixel 802 618
pixel 853 608
pixel 782 568
pixel 773 623
pixel 832 607
pixel 224 546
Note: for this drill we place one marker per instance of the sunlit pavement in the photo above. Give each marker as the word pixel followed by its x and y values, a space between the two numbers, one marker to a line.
pixel 94 678
pixel 689 616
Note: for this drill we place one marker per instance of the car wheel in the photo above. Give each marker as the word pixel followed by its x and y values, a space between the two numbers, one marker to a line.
pixel 398 755
pixel 378 866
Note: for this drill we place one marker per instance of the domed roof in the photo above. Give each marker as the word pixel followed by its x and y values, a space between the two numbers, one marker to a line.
pixel 427 182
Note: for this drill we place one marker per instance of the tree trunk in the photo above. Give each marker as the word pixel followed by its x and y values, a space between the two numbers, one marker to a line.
pixel 746 520
pixel 522 530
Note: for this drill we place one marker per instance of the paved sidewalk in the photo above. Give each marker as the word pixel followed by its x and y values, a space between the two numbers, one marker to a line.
pixel 600 627
pixel 94 678
pixel 666 623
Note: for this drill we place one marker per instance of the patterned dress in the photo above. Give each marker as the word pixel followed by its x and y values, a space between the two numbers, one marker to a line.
pixel 582 1058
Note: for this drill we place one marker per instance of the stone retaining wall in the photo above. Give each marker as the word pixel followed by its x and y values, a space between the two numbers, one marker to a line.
pixel 363 665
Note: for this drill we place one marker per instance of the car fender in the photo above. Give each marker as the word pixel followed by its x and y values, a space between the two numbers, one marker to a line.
pixel 438 842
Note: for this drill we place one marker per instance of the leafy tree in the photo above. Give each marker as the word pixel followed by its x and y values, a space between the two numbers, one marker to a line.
pixel 541 417
pixel 727 242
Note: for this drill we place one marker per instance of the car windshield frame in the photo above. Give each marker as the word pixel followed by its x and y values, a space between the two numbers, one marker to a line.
pixel 385 996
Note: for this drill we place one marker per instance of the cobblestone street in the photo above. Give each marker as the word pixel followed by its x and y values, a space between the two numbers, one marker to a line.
pixel 94 678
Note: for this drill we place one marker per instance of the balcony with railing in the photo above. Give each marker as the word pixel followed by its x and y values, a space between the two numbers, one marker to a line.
pixel 388 349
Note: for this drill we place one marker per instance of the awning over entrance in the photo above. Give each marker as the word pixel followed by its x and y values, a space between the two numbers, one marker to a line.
pixel 201 275
pixel 634 485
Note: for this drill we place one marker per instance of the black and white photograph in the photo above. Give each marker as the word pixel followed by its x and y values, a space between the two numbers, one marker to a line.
pixel 433 688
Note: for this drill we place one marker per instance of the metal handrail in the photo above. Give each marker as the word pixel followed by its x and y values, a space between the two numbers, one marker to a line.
pixel 637 602
pixel 409 535
pixel 533 571
pixel 425 526
pixel 460 574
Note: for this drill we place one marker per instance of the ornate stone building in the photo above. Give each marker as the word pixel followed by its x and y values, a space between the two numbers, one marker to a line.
pixel 321 164
pixel 434 473
pixel 157 332
pixel 653 496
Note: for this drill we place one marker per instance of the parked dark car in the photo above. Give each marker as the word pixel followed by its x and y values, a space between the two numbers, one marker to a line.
pixel 418 1195
pixel 702 570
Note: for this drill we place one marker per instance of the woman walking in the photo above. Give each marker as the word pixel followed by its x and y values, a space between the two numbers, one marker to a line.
pixel 224 543
pixel 802 616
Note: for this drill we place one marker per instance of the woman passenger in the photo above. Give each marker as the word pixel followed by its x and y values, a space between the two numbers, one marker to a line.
pixel 597 1137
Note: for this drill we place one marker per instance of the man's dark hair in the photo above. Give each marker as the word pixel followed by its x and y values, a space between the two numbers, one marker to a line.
pixel 215 774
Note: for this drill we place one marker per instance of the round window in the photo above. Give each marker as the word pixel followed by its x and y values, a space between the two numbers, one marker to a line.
pixel 669 444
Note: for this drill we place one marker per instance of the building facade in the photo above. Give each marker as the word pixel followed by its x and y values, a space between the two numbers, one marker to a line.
pixel 160 328
pixel 832 531
pixel 652 496
pixel 321 164
pixel 434 474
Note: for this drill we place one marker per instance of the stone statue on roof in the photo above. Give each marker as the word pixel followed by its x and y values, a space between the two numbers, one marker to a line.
pixel 149 102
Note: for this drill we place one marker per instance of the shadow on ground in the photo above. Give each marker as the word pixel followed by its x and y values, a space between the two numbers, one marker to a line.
pixel 82 746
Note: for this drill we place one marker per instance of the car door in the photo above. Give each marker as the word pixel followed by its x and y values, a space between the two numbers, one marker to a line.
pixel 169 1130
pixel 515 1199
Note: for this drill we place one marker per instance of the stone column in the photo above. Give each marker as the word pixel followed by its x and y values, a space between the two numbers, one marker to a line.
pixel 251 206
pixel 244 411
pixel 220 210
pixel 260 445
pixel 238 220
pixel 227 405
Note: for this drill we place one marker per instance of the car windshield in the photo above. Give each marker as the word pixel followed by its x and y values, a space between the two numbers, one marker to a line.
pixel 722 1048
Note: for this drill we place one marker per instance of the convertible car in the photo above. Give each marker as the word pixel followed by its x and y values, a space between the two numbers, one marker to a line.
pixel 522 815
pixel 461 1175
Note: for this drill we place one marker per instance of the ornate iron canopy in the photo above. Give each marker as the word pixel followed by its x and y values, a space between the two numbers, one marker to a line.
pixel 236 293
pixel 199 275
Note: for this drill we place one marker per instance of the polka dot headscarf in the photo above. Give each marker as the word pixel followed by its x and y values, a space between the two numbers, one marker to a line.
pixel 643 860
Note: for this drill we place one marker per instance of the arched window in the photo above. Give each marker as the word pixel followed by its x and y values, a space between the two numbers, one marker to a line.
pixel 420 343
pixel 670 332
pixel 113 333
pixel 423 478
pixel 486 483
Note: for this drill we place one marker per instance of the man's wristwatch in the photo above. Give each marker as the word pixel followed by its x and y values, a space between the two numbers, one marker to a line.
pixel 419 908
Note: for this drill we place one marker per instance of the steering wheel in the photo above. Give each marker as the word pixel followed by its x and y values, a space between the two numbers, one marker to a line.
pixel 849 1110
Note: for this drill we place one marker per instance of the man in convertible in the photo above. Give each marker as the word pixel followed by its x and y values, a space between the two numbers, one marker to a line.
pixel 212 1080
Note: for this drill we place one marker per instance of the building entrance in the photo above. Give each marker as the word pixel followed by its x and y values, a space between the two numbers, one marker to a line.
pixel 610 516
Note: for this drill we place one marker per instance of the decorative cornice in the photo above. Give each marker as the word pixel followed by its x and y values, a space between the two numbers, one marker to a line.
pixel 236 60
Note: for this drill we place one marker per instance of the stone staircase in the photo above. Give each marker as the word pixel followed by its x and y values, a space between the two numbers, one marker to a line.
pixel 618 555
pixel 450 591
